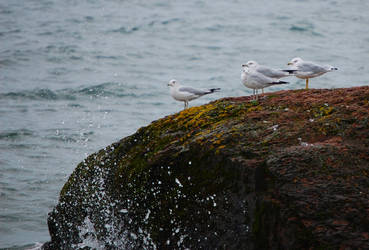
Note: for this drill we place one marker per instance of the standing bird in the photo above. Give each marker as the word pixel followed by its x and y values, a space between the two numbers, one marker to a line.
pixel 269 72
pixel 255 80
pixel 306 70
pixel 186 94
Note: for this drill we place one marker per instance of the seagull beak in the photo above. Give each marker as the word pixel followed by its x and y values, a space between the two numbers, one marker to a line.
pixel 244 65
pixel 289 63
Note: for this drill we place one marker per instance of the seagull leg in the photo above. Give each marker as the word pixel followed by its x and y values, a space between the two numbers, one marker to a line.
pixel 262 91
pixel 307 83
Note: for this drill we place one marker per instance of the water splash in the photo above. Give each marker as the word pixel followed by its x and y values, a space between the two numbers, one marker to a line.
pixel 88 235
pixel 103 227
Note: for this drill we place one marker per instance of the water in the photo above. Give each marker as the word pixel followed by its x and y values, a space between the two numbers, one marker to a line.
pixel 76 76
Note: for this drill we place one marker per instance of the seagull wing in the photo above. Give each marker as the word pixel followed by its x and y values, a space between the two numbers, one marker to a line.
pixel 311 68
pixel 259 78
pixel 262 81
pixel 193 91
pixel 273 73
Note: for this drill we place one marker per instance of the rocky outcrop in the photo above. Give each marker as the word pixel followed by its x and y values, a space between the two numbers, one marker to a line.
pixel 287 172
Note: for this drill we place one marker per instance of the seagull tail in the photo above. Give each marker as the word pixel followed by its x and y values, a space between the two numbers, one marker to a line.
pixel 290 71
pixel 214 90
pixel 279 82
pixel 334 68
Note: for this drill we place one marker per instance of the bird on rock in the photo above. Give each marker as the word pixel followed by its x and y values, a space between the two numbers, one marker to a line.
pixel 186 93
pixel 270 72
pixel 307 70
pixel 255 80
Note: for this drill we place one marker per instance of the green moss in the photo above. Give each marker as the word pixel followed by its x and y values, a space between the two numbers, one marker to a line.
pixel 322 111
pixel 271 96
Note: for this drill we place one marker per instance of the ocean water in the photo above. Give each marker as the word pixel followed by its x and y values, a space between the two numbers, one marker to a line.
pixel 76 76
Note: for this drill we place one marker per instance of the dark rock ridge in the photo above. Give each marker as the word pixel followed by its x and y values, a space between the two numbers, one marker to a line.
pixel 287 172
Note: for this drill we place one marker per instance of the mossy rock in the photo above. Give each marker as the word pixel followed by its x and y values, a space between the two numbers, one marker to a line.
pixel 287 172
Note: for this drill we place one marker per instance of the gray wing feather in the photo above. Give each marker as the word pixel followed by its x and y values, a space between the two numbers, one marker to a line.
pixel 311 67
pixel 273 73
pixel 261 78
pixel 193 91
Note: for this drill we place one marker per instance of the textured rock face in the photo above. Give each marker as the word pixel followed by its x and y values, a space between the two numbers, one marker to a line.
pixel 287 172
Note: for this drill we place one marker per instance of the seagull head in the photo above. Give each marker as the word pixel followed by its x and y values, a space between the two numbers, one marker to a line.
pixel 251 64
pixel 172 83
pixel 295 61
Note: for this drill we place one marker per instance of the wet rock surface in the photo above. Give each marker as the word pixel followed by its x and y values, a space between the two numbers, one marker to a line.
pixel 287 172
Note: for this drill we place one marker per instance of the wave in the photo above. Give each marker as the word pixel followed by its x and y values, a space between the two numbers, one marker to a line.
pixel 31 246
pixel 103 90
pixel 6 62
pixel 129 30
pixel 304 28
pixel 36 94
pixel 108 89
pixel 125 30
pixel 107 57
pixel 299 28
pixel 63 135
pixel 165 22
pixel 3 33
pixel 15 134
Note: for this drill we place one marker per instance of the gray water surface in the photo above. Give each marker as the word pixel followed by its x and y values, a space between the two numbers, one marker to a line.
pixel 76 76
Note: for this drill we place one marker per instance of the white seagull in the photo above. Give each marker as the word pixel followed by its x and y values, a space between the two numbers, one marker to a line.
pixel 255 80
pixel 186 94
pixel 306 70
pixel 270 72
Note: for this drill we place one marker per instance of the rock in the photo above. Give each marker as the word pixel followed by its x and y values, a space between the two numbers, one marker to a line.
pixel 287 172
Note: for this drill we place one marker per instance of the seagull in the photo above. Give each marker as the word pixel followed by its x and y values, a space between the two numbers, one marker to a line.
pixel 185 93
pixel 255 80
pixel 270 72
pixel 306 70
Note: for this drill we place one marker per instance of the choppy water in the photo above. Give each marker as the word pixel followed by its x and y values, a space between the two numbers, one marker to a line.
pixel 76 76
